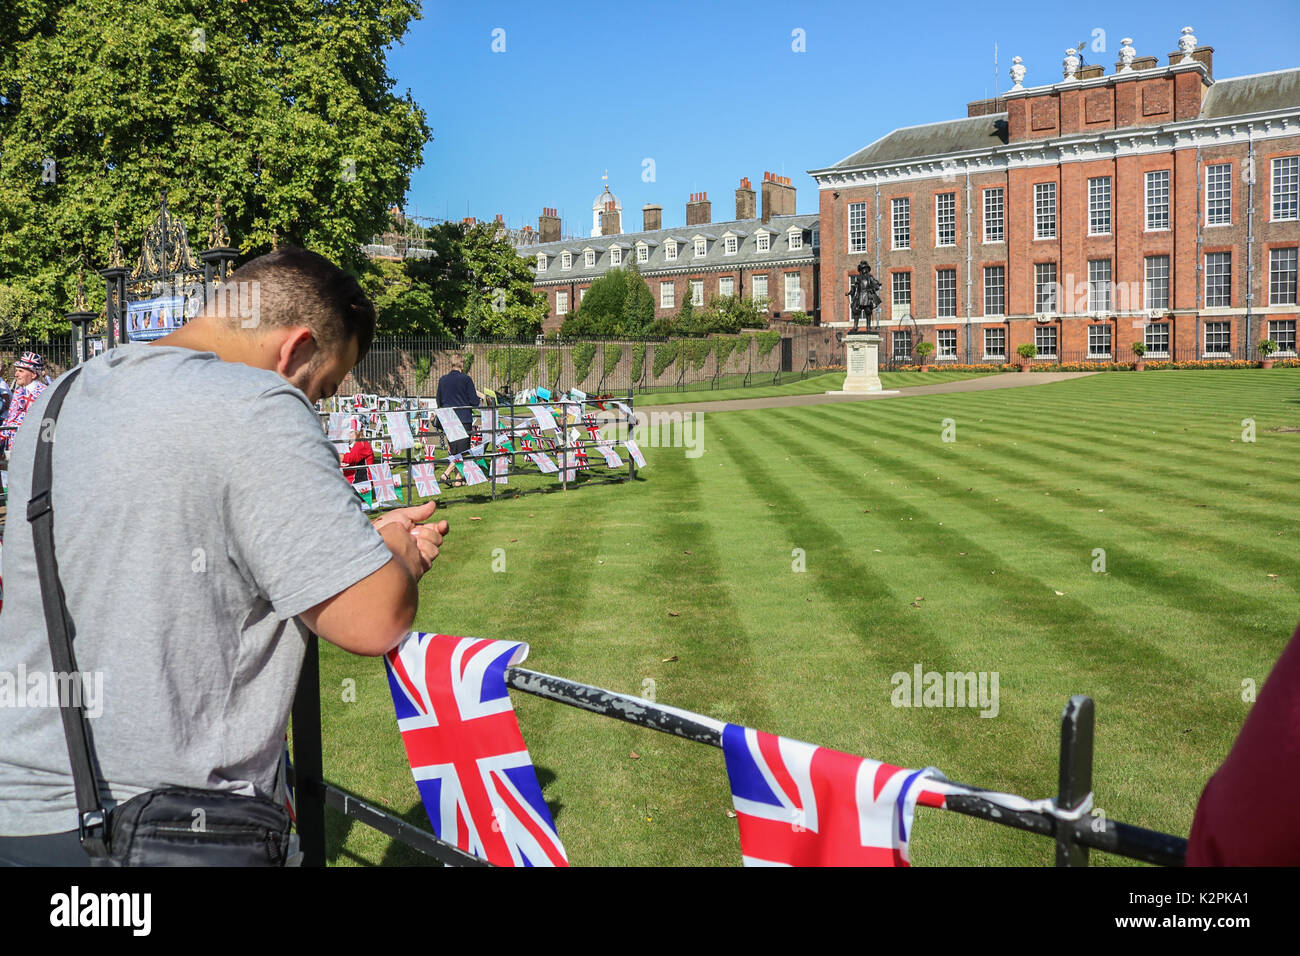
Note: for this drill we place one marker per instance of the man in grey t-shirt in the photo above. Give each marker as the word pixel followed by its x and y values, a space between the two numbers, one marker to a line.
pixel 192 577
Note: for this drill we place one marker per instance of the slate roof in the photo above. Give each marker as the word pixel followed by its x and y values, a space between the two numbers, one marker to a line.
pixel 1234 96
pixel 1261 93
pixel 746 255
pixel 932 139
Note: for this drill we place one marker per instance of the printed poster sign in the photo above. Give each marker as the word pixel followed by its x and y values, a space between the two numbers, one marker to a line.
pixel 151 319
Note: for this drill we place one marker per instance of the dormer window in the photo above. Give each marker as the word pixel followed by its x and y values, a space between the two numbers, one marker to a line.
pixel 701 247
pixel 729 246
pixel 796 238
pixel 642 252
pixel 764 241
pixel 566 260
pixel 615 256
pixel 541 262
pixel 589 258
pixel 670 250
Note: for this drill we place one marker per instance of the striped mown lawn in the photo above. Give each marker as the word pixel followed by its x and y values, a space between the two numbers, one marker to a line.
pixel 980 554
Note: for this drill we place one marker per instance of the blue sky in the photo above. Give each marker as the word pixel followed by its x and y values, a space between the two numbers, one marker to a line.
pixel 711 92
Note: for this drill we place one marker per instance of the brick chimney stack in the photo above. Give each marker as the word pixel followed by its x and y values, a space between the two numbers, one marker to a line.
pixel 778 196
pixel 610 224
pixel 745 207
pixel 548 225
pixel 652 217
pixel 699 211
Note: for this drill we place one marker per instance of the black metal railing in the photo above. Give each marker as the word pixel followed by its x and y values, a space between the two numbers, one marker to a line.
pixel 1067 822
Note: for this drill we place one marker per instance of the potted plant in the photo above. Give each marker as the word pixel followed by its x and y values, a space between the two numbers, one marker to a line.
pixel 1027 352
pixel 1266 348
pixel 924 349
pixel 1139 349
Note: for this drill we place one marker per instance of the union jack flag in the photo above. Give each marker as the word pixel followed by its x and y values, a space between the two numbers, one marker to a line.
pixel 385 485
pixel 798 804
pixel 469 470
pixel 469 759
pixel 426 480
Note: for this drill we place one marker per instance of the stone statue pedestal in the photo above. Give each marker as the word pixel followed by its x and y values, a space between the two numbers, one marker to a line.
pixel 862 360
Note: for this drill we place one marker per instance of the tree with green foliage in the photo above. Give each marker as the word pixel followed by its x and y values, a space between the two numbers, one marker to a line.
pixel 601 310
pixel 475 285
pixel 684 324
pixel 730 313
pixel 283 111
pixel 500 303
pixel 638 361
pixel 407 301
pixel 638 305
pixel 616 304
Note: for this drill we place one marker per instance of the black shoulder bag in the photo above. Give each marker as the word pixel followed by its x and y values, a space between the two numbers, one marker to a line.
pixel 173 826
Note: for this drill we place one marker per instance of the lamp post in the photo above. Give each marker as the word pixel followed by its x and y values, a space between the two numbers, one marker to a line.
pixel 115 293
pixel 81 317
pixel 218 257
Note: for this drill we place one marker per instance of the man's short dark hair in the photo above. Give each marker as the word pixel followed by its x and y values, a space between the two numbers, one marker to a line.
pixel 297 287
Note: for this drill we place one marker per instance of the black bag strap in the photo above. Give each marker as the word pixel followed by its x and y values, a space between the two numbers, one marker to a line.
pixel 40 515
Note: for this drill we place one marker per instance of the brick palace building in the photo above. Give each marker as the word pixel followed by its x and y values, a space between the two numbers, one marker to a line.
pixel 1153 204
pixel 771 256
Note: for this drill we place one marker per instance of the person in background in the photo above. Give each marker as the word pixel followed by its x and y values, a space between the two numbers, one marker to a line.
pixel 29 372
pixel 456 390
pixel 358 455
pixel 1244 817
pixel 6 396
pixel 354 462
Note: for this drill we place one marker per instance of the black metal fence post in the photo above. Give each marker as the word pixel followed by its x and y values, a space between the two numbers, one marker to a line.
pixel 1075 778
pixel 308 762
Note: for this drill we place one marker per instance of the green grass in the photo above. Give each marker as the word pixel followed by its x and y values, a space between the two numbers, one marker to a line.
pixel 814 385
pixel 985 530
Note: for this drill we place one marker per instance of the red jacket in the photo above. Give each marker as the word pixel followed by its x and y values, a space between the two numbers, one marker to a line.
pixel 359 454
pixel 1247 816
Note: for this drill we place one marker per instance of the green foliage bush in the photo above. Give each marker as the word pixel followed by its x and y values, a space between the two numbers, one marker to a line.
pixel 512 365
pixel 724 346
pixel 616 304
pixel 613 355
pixel 423 366
pixel 638 361
pixel 766 342
pixel 583 355
pixel 696 352
pixel 554 362
pixel 665 355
